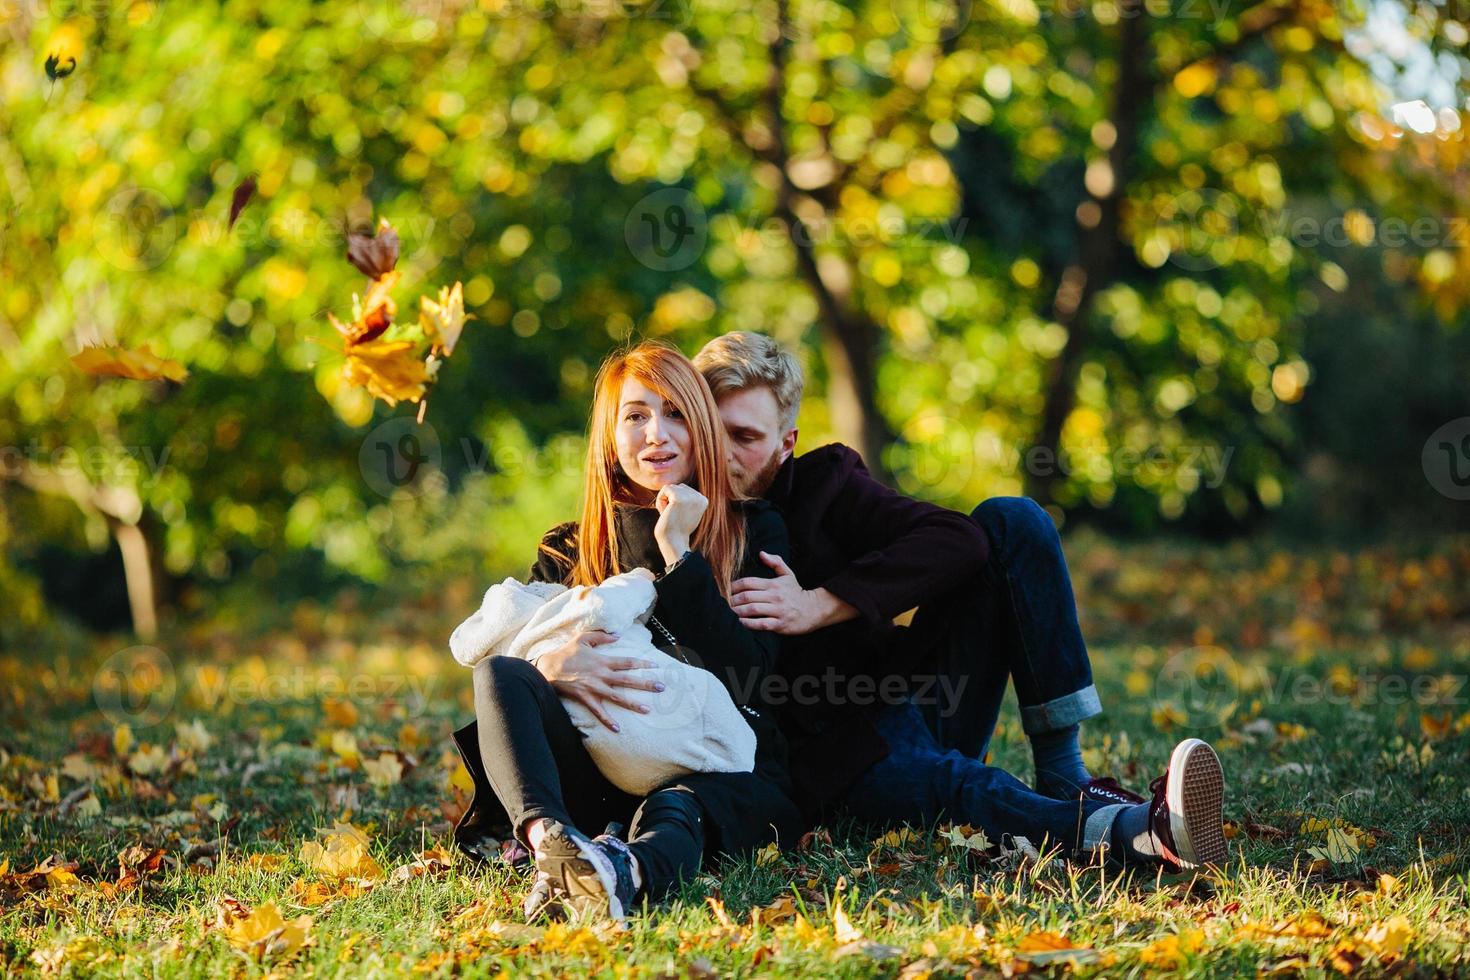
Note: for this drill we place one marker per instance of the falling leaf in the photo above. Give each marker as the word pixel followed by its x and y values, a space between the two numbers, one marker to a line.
pixel 443 321
pixel 387 370
pixel 243 192
pixel 119 362
pixel 374 255
pixel 63 49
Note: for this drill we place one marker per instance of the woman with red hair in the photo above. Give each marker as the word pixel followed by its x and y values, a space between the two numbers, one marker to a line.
pixel 657 495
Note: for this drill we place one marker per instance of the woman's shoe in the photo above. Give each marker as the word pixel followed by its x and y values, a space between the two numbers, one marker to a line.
pixel 586 878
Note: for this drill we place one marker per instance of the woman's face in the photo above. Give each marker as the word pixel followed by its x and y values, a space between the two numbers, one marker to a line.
pixel 652 440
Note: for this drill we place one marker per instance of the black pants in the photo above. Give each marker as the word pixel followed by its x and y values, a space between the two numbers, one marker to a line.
pixel 539 767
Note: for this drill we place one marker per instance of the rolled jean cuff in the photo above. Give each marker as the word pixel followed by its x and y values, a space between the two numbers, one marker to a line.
pixel 1061 712
pixel 1097 833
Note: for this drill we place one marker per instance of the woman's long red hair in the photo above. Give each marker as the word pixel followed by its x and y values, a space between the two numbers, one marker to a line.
pixel 720 536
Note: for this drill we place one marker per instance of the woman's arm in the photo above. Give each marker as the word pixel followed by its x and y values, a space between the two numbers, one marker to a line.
pixel 709 633
pixel 575 669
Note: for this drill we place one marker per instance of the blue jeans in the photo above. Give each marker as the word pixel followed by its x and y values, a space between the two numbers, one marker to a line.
pixel 920 783
pixel 1016 623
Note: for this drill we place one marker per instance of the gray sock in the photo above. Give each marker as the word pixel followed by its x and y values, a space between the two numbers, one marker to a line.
pixel 1132 837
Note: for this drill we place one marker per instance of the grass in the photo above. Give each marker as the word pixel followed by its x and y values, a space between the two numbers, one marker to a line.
pixel 1332 685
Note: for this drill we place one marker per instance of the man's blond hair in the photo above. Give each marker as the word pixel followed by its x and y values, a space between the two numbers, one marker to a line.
pixel 742 359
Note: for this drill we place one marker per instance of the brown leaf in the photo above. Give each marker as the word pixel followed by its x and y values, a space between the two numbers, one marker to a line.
pixel 374 255
pixel 243 192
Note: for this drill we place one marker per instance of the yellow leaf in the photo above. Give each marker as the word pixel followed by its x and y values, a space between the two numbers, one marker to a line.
pixel 344 855
pixel 122 740
pixel 1391 937
pixel 386 369
pixel 342 714
pixel 842 928
pixel 1196 79
pixel 120 362
pixel 767 855
pixel 193 736
pixel 344 746
pixel 443 321
pixel 264 933
pixel 385 770
pixel 148 759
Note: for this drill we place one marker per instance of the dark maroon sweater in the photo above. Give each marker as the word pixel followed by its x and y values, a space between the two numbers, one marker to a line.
pixel 883 553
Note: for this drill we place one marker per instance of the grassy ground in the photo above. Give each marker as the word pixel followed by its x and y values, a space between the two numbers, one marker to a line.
pixel 171 810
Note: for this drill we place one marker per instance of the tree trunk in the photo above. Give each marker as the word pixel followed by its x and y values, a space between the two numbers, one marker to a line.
pixel 1098 253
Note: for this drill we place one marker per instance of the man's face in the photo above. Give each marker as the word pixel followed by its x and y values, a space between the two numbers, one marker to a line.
pixel 758 445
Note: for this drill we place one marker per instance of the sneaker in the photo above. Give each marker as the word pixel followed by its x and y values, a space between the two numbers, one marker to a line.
pixel 588 878
pixel 1106 789
pixel 543 900
pixel 1186 814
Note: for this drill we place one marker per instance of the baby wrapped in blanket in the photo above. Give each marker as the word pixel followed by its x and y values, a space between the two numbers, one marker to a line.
pixel 692 725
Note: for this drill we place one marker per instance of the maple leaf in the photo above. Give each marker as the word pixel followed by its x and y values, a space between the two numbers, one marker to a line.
pixel 120 362
pixel 264 934
pixel 374 255
pixel 387 370
pixel 443 320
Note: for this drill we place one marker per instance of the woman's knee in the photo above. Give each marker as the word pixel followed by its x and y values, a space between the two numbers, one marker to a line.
pixel 495 676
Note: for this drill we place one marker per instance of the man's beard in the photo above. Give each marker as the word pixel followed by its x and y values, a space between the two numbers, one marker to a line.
pixel 761 482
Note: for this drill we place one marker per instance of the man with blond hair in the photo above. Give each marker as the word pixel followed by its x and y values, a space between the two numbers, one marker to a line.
pixel 872 735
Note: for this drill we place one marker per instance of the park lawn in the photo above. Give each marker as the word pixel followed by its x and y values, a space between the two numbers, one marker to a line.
pixel 276 797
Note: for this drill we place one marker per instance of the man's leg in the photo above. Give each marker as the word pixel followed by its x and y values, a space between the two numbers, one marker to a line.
pixel 920 783
pixel 1018 620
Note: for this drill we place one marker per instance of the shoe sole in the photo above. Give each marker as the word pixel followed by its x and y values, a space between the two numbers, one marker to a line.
pixel 1195 795
pixel 587 879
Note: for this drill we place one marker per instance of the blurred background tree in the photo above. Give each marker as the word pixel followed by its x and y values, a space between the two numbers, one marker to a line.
pixel 1159 264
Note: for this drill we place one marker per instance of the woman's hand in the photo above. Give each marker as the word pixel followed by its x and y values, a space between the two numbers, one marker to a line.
pixel 592 679
pixel 680 508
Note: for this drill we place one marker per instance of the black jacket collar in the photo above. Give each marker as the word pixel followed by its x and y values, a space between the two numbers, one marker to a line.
pixel 636 545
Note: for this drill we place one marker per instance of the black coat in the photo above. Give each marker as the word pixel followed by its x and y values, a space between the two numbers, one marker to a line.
pixel 742 811
pixel 883 553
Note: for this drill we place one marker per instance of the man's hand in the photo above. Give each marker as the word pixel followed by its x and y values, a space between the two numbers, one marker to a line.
pixel 592 679
pixel 781 605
